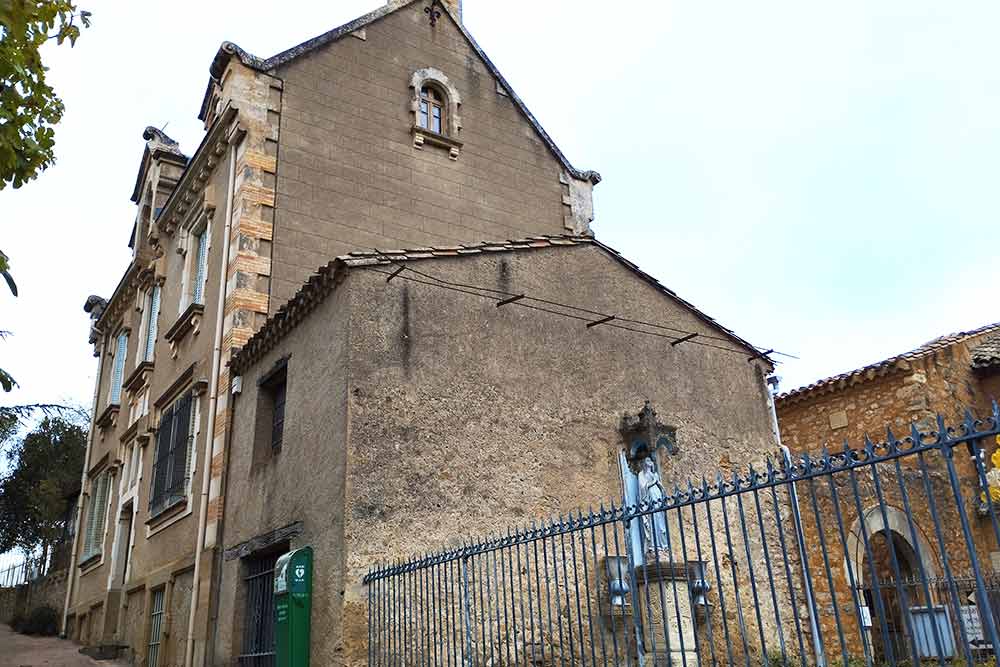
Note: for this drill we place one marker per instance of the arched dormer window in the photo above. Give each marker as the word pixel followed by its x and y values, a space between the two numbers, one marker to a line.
pixel 435 106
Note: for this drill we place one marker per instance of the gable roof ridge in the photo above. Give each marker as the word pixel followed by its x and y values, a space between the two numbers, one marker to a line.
pixel 229 49
pixel 320 284
pixel 887 365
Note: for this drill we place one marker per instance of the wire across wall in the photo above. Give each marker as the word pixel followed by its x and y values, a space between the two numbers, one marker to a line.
pixel 590 318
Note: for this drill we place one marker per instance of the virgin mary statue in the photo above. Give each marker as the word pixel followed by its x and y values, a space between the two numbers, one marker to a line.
pixel 654 526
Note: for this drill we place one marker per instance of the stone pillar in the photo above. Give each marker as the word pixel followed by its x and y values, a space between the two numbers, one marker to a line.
pixel 669 622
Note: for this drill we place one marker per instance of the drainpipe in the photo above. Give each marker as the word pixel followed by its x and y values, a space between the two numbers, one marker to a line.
pixel 799 538
pixel 70 576
pixel 213 399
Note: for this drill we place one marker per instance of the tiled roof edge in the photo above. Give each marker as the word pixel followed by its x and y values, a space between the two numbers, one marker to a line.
pixel 230 49
pixel 882 368
pixel 323 282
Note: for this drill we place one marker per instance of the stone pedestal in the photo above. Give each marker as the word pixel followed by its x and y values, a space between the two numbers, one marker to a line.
pixel 668 617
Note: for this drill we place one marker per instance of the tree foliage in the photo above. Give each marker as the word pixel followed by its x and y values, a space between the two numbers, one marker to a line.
pixel 29 107
pixel 44 480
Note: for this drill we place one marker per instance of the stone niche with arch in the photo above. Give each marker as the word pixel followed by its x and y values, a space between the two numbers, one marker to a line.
pixel 430 86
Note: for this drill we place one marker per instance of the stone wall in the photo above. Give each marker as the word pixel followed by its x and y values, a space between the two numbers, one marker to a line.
pixel 416 416
pixel 49 590
pixel 350 177
pixel 841 512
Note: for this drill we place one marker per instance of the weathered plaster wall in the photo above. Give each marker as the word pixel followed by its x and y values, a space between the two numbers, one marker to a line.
pixel 465 419
pixel 303 482
pixel 349 176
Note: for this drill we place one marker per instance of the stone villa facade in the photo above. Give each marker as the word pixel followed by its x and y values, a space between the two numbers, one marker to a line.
pixel 391 405
pixel 944 376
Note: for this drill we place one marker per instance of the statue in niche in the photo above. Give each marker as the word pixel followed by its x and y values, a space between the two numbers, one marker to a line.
pixel 654 526
pixel 644 436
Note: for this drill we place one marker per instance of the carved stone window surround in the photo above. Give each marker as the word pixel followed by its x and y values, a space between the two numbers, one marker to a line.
pixel 453 119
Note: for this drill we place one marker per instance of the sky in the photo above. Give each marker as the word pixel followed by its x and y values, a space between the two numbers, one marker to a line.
pixel 820 177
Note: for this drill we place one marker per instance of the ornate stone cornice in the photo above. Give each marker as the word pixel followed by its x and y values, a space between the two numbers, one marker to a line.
pixel 190 188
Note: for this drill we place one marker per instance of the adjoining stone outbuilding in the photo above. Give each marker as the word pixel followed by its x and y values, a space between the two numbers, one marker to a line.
pixel 945 376
pixel 414 410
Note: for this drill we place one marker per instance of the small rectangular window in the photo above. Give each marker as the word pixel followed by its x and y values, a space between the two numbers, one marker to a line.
pixel 156 613
pixel 272 398
pixel 174 448
pixel 436 120
pixel 118 368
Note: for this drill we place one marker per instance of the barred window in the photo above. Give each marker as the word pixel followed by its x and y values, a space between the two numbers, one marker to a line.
pixel 258 616
pixel 174 447
pixel 156 613
pixel 271 399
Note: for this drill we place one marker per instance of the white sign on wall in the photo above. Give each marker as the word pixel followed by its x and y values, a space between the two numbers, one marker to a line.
pixel 971 622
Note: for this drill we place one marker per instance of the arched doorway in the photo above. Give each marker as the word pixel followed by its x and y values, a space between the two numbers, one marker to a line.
pixel 890 634
pixel 888 570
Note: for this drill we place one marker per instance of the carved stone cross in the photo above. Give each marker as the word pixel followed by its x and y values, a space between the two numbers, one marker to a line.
pixel 643 434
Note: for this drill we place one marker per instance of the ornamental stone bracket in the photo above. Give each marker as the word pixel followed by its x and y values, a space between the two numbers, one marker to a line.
pixel 643 433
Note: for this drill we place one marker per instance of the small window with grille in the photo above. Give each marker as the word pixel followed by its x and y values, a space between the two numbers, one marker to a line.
pixel 174 449
pixel 271 401
pixel 156 613
pixel 258 616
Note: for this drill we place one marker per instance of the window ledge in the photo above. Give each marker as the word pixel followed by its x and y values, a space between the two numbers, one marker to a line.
pixel 89 563
pixel 169 511
pixel 189 320
pixel 107 418
pixel 423 136
pixel 137 379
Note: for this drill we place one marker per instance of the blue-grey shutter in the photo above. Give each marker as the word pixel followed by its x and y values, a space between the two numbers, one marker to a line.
pixel 180 445
pixel 161 466
pixel 119 368
pixel 201 267
pixel 154 313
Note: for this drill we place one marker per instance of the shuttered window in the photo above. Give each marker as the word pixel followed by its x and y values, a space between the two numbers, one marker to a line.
pixel 174 446
pixel 97 511
pixel 151 318
pixel 118 368
pixel 201 266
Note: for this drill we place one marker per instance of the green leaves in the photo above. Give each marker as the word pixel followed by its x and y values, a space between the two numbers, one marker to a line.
pixel 29 107
pixel 43 481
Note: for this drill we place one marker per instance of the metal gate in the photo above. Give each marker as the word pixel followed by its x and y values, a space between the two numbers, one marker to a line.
pixel 878 554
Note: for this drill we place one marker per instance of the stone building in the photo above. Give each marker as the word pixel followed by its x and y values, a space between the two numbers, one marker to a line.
pixel 945 376
pixel 412 415
pixel 392 131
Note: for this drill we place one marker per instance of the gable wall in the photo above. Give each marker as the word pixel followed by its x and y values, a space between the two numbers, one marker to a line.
pixel 349 176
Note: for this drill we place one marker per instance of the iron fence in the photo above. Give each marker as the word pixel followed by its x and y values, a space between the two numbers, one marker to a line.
pixel 863 556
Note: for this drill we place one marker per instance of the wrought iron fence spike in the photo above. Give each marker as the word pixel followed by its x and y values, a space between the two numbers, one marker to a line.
pixel 942 429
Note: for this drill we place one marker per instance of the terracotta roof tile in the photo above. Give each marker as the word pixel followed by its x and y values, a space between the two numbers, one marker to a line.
pixel 887 366
pixel 987 354
pixel 327 277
